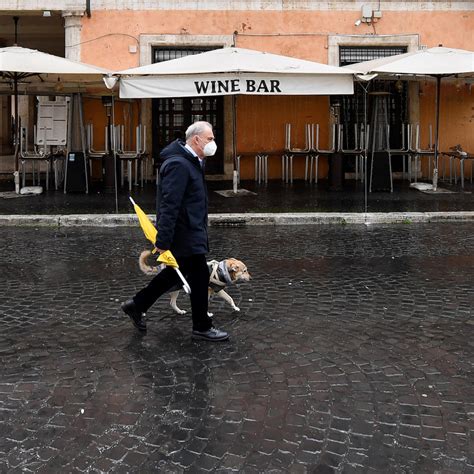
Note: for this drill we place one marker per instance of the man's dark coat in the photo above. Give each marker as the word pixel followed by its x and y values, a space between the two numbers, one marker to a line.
pixel 182 203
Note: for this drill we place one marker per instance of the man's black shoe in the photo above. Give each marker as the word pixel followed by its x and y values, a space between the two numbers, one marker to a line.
pixel 212 334
pixel 130 308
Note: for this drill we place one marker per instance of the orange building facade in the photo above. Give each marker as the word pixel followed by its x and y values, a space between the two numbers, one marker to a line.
pixel 119 35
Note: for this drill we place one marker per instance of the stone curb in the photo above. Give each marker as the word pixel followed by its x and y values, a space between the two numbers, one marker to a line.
pixel 238 220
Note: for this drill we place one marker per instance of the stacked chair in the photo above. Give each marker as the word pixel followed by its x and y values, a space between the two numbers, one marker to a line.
pixel 291 151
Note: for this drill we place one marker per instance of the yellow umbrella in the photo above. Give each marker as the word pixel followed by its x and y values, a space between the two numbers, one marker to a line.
pixel 168 259
pixel 150 233
pixel 147 226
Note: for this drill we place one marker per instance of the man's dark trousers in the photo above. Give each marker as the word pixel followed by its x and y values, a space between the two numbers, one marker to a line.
pixel 197 275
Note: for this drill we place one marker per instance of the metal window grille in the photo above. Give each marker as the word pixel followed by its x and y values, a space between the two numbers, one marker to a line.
pixel 356 54
pixel 161 54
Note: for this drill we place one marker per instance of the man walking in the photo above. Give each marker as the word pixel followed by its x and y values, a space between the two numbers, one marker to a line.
pixel 182 228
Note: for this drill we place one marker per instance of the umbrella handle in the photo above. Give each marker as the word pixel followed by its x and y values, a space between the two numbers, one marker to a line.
pixel 186 286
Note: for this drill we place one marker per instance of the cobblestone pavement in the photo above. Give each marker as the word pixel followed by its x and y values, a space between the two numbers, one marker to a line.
pixel 352 352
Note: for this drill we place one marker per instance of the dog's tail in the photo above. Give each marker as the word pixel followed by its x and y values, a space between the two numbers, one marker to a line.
pixel 144 267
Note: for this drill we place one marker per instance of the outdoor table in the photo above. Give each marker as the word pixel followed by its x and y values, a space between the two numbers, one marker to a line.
pixel 419 154
pixel 51 159
pixel 461 158
pixel 130 157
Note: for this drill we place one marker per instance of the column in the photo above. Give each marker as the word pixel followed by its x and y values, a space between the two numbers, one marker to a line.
pixel 72 34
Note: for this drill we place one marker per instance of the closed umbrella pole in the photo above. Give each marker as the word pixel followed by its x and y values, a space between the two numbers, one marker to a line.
pixel 114 151
pixel 436 144
pixel 17 121
pixel 15 77
pixel 15 92
pixel 235 177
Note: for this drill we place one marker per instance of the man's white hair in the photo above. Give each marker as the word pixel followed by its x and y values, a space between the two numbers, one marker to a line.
pixel 197 128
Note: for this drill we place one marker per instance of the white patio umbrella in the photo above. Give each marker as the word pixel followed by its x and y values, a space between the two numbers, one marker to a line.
pixel 42 72
pixel 31 62
pixel 436 62
pixel 232 71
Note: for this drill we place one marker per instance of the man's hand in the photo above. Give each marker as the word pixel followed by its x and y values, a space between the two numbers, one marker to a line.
pixel 160 250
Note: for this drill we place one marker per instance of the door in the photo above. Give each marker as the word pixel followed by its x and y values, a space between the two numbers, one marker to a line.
pixel 171 117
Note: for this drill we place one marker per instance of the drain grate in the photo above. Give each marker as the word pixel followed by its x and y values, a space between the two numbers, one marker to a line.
pixel 232 222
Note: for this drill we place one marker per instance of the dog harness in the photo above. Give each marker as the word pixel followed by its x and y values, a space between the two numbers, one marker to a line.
pixel 219 275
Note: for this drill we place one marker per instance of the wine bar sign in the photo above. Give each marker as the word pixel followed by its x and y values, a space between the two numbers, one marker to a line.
pixel 192 85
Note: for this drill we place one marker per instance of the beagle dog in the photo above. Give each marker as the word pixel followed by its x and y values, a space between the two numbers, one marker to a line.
pixel 221 274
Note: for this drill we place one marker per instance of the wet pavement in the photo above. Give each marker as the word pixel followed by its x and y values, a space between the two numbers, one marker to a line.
pixel 272 197
pixel 352 352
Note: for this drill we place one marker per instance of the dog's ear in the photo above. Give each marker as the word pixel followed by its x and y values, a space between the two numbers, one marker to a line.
pixel 234 265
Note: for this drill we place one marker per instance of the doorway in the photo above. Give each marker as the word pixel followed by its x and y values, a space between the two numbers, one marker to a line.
pixel 171 117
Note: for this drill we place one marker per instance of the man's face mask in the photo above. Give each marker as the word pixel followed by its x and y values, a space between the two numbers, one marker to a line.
pixel 210 148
